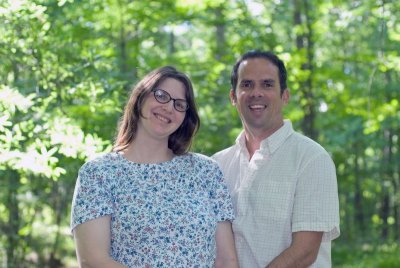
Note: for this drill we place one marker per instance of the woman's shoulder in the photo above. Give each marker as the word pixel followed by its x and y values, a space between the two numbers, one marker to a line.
pixel 102 161
pixel 200 159
pixel 203 167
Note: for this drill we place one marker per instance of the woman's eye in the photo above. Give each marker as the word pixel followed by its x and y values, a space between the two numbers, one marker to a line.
pixel 163 96
pixel 180 105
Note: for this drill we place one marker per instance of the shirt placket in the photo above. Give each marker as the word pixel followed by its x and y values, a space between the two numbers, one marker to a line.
pixel 242 189
pixel 248 172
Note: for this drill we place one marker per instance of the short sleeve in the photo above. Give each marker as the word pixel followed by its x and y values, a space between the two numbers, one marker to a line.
pixel 92 196
pixel 222 202
pixel 316 204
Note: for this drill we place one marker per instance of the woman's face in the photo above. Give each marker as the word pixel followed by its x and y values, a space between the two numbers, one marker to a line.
pixel 159 119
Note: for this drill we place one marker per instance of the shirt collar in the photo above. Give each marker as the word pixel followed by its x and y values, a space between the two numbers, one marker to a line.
pixel 271 143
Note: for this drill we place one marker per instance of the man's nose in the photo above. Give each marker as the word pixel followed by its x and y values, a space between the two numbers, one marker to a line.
pixel 257 91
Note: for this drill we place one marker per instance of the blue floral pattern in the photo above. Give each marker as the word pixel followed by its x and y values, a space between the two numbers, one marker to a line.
pixel 162 215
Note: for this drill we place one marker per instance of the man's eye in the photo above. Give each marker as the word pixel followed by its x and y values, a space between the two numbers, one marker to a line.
pixel 268 84
pixel 246 84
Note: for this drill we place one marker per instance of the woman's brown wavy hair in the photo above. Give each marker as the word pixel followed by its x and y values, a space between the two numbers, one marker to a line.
pixel 179 141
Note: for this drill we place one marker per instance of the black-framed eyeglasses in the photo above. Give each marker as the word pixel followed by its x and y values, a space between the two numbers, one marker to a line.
pixel 163 96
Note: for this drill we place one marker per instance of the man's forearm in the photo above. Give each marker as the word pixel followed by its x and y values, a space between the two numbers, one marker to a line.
pixel 302 252
pixel 289 259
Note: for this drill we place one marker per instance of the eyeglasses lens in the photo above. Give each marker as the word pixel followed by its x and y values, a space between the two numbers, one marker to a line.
pixel 163 97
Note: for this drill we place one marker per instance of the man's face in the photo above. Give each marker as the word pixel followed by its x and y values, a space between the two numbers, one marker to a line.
pixel 258 98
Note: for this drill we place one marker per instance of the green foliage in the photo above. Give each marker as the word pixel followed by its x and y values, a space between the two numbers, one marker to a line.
pixel 67 67
pixel 366 255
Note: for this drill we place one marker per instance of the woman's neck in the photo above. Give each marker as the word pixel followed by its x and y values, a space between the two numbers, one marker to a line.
pixel 140 152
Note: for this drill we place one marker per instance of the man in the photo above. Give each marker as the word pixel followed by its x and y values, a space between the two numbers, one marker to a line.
pixel 283 184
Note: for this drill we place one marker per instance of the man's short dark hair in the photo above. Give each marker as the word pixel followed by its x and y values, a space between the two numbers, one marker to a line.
pixel 268 55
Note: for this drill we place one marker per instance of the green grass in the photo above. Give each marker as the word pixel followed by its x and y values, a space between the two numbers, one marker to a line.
pixel 374 255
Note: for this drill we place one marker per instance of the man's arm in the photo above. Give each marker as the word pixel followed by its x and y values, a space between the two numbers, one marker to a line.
pixel 226 252
pixel 92 241
pixel 302 252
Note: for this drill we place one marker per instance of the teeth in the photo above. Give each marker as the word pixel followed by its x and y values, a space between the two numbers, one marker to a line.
pixel 162 118
pixel 257 106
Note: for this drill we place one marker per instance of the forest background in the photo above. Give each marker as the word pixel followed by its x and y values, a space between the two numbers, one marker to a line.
pixel 66 68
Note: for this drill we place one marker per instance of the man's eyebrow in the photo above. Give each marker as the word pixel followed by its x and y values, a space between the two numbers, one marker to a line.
pixel 268 80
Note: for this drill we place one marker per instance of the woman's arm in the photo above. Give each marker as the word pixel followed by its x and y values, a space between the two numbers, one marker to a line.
pixel 226 252
pixel 92 242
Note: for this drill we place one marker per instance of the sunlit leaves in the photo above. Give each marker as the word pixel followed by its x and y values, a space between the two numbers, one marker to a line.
pixel 38 162
pixel 72 141
pixel 4 122
pixel 67 66
pixel 11 100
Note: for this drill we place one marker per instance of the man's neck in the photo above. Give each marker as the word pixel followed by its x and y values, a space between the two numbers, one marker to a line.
pixel 254 137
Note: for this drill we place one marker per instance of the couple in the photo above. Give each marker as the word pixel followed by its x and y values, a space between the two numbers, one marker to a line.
pixel 151 203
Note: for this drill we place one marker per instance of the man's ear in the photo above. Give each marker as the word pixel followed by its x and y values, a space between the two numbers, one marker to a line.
pixel 232 96
pixel 286 96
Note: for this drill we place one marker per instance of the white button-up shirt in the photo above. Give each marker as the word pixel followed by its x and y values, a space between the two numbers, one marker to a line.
pixel 289 185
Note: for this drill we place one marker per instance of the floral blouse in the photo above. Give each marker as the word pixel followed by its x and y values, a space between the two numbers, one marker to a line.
pixel 162 215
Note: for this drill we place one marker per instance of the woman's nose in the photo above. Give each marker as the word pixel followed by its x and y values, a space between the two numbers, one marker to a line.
pixel 169 106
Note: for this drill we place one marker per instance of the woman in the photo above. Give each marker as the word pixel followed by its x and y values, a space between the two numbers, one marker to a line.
pixel 151 203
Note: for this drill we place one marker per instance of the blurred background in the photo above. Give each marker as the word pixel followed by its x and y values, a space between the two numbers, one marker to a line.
pixel 66 68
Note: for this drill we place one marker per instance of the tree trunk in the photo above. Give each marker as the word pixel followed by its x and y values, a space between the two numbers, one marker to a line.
pixel 388 180
pixel 122 40
pixel 220 33
pixel 385 210
pixel 396 215
pixel 171 43
pixel 358 208
pixel 13 218
pixel 304 42
pixel 128 49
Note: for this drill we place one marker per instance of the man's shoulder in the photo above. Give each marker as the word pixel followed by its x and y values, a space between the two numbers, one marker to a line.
pixel 227 152
pixel 302 142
